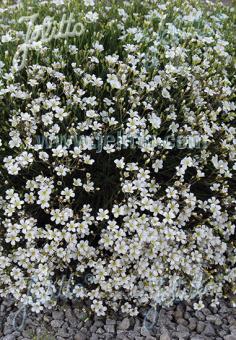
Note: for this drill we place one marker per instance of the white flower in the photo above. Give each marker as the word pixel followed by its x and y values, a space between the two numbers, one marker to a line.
pixel 120 163
pixel 117 210
pixel 92 16
pixel 97 46
pixel 57 3
pixel 113 81
pixel 89 3
pixel 61 170
pixel 68 193
pixel 155 121
pixel 77 182
pixel 158 165
pixel 50 86
pixel 219 164
pixel 112 59
pixel 6 38
pixel 165 93
pixel 199 305
pixel 102 214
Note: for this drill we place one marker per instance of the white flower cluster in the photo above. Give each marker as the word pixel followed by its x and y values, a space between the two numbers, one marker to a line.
pixel 149 224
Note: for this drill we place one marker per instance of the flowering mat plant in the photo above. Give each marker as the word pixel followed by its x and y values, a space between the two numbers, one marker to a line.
pixel 117 152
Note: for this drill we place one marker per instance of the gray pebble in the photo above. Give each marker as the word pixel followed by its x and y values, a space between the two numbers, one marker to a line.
pixel 189 308
pixel 137 324
pixel 145 331
pixel 122 337
pixel 28 333
pixel 96 325
pixel 110 322
pixel 224 309
pixel 93 328
pixel 165 336
pixel 179 313
pixel 181 328
pixel 172 326
pixel 230 337
pixel 209 330
pixel 94 337
pixel 214 319
pixel 7 330
pixel 109 328
pixel 100 330
pixel 88 323
pixel 9 337
pixel 181 335
pixel 162 317
pixel 187 315
pixel 200 326
pixel 58 315
pixel 64 333
pixel 182 322
pixel 222 333
pixel 231 318
pixel 80 336
pixel 56 323
pixel 233 329
pixel 225 327
pixel 83 330
pixel 200 316
pixel 80 315
pixel 73 321
pixel 206 311
pixel 124 324
pixel 192 324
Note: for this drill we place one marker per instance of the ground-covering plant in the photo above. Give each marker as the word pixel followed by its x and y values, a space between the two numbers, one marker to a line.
pixel 149 222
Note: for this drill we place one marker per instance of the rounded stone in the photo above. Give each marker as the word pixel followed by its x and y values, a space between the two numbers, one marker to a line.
pixel 124 324
pixel 230 337
pixel 165 337
pixel 200 326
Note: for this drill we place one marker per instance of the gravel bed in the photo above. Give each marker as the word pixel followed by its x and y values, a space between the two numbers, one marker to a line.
pixel 72 322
